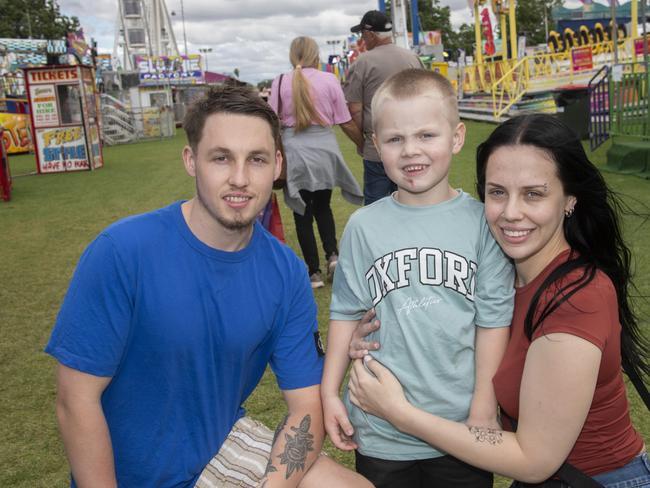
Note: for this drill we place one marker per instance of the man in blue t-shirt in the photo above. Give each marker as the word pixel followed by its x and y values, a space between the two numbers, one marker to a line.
pixel 172 317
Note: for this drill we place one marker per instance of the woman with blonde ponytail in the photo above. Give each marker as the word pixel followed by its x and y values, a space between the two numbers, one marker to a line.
pixel 309 102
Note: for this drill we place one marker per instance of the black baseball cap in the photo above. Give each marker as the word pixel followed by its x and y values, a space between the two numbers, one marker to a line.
pixel 373 20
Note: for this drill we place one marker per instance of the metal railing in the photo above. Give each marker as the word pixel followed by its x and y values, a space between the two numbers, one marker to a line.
pixel 598 90
pixel 122 124
pixel 510 88
pixel 629 114
pixel 118 124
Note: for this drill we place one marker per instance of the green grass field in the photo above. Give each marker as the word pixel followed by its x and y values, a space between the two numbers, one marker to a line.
pixel 50 220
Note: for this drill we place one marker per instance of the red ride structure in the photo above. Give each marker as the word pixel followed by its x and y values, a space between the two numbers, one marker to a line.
pixel 5 175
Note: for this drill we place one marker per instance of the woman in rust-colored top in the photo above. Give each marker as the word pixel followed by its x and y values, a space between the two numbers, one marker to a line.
pixel 560 385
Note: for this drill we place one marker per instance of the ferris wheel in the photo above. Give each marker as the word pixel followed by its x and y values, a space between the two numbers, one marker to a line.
pixel 143 28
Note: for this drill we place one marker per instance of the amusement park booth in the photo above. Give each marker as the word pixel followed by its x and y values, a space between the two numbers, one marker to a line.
pixel 64 112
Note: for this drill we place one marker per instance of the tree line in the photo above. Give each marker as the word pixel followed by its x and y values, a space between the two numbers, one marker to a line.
pixel 34 19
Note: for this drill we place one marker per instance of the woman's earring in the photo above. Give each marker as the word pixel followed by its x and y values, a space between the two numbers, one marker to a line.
pixel 568 213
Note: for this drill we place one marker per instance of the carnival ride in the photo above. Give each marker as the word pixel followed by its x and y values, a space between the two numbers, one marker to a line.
pixel 595 56
pixel 593 71
pixel 507 82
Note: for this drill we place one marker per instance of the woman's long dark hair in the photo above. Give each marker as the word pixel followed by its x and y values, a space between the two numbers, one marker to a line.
pixel 593 231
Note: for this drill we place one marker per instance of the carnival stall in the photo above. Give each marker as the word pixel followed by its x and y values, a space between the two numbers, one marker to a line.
pixel 64 108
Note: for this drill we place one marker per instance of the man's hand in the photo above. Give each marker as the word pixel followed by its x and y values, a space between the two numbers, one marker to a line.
pixel 337 423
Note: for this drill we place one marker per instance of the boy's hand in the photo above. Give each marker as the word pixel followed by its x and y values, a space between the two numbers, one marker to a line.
pixel 337 423
pixel 359 348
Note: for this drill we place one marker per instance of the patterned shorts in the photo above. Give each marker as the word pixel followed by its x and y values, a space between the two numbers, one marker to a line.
pixel 242 459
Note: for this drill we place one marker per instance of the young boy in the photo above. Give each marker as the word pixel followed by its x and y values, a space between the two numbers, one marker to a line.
pixel 424 258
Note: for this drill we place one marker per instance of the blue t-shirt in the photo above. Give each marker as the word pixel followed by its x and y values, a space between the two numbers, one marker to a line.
pixel 185 331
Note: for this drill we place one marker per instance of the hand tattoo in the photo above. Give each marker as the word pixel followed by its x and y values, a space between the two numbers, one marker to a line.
pixel 297 447
pixel 484 434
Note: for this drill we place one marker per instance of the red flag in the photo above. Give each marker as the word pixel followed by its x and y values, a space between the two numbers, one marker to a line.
pixel 486 24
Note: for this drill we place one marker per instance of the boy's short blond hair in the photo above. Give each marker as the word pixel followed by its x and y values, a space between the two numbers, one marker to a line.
pixel 412 83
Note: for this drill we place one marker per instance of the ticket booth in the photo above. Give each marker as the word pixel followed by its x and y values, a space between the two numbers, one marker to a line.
pixel 64 111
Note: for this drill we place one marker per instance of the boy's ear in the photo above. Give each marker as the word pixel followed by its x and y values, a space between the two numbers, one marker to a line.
pixel 189 161
pixel 459 138
pixel 374 141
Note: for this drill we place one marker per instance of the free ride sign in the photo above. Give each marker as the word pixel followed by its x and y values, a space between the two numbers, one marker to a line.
pixel 62 149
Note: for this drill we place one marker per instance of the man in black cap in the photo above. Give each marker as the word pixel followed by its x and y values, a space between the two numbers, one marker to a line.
pixel 382 60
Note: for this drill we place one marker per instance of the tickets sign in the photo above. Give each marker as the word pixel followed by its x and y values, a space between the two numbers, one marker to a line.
pixel 39 77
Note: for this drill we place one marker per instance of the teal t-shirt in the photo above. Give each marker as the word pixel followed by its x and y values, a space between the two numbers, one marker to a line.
pixel 433 274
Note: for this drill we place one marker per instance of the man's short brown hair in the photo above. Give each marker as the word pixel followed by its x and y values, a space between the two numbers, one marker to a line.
pixel 411 83
pixel 239 100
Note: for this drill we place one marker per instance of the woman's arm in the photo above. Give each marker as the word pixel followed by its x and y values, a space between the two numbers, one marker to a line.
pixel 557 388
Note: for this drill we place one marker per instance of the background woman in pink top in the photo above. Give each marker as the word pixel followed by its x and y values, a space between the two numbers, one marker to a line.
pixel 309 102
pixel 560 383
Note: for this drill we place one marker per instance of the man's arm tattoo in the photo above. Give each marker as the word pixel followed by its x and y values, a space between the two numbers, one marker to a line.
pixel 269 467
pixel 297 447
pixel 484 434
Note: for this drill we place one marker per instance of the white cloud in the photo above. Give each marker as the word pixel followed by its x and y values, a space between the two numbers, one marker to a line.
pixel 251 35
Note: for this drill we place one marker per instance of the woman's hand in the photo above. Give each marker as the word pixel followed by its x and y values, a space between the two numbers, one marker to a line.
pixel 359 348
pixel 376 390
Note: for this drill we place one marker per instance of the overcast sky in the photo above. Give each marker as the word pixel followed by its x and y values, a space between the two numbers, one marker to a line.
pixel 251 35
